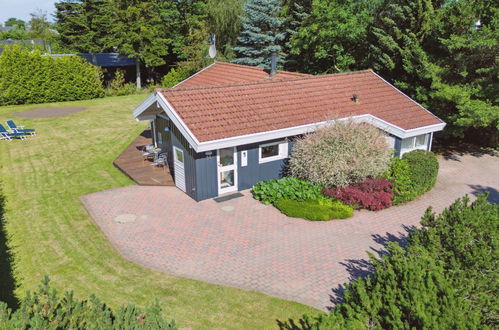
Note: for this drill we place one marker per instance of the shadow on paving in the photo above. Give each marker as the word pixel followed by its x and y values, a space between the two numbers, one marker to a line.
pixel 493 193
pixel 357 268
pixel 453 151
pixel 7 282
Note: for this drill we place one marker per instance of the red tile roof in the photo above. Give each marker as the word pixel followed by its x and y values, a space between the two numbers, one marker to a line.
pixel 225 111
pixel 227 73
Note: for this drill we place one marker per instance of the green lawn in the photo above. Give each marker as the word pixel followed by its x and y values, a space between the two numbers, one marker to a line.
pixel 49 231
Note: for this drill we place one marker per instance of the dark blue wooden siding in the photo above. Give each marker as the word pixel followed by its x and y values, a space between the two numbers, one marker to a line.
pixel 206 175
pixel 398 146
pixel 108 59
pixel 178 140
pixel 255 172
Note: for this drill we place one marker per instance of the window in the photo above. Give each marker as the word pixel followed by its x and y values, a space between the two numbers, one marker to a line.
pixel 179 155
pixel 419 142
pixel 272 151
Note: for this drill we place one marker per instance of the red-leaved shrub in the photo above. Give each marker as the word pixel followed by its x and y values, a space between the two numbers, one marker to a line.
pixel 371 194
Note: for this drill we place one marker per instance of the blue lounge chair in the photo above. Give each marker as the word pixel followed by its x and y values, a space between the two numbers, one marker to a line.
pixel 6 135
pixel 20 129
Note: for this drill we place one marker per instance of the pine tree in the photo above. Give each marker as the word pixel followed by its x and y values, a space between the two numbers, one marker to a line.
pixel 262 33
pixel 295 13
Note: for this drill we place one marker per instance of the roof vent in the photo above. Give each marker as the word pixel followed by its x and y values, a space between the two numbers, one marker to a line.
pixel 355 98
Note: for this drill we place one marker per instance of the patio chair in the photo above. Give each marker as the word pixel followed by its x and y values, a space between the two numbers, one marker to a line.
pixel 20 129
pixel 161 160
pixel 6 135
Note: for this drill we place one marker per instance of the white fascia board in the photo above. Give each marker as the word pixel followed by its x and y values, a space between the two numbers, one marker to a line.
pixel 144 105
pixel 303 129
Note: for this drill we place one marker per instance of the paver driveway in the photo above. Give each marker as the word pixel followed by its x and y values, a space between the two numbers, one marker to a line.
pixel 245 244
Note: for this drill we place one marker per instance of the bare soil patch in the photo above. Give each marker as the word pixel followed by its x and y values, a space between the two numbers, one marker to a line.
pixel 49 112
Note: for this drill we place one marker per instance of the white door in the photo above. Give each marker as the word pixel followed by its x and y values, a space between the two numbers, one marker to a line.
pixel 178 168
pixel 227 170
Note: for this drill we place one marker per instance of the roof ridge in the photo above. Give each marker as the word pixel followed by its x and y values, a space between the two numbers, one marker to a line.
pixel 262 82
pixel 250 67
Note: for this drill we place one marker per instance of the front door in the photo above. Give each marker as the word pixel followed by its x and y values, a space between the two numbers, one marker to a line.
pixel 227 170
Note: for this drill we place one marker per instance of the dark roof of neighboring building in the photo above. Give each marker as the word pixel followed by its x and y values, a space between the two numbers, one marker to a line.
pixel 228 73
pixel 241 107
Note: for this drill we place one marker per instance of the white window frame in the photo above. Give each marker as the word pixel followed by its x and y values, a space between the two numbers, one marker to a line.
pixel 283 152
pixel 413 144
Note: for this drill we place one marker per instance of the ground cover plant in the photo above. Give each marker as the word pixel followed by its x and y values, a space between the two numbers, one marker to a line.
pixel 29 77
pixel 271 191
pixel 370 194
pixel 340 154
pixel 49 231
pixel 322 209
pixel 445 277
pixel 46 309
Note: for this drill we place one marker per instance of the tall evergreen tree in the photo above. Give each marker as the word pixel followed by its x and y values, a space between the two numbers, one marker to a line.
pixel 295 12
pixel 225 22
pixel 262 33
pixel 85 25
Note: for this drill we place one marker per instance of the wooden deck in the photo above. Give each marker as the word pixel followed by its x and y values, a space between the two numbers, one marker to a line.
pixel 131 163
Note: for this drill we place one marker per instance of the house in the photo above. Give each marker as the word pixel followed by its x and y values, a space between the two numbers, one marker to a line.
pixel 230 126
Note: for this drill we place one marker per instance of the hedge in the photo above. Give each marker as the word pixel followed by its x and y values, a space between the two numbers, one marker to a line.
pixel 423 166
pixel 30 77
pixel 46 309
pixel 320 210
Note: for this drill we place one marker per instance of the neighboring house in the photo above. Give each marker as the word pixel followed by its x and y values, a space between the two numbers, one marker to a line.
pixel 230 126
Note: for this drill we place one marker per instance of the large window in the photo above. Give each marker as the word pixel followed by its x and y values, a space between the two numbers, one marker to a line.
pixel 273 151
pixel 419 142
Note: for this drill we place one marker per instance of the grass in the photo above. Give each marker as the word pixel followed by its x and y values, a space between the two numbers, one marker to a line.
pixel 49 232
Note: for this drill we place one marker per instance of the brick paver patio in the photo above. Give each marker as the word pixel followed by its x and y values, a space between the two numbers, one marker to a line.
pixel 245 244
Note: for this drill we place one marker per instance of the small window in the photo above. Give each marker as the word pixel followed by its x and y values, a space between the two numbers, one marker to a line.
pixel 273 151
pixel 179 156
pixel 408 143
pixel 270 151
pixel 421 141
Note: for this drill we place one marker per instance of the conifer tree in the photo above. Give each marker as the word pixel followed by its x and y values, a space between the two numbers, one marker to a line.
pixel 261 35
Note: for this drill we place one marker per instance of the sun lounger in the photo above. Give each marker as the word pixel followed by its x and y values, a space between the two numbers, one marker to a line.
pixel 20 129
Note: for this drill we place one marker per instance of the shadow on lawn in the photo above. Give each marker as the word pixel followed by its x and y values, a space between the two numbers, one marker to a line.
pixel 7 282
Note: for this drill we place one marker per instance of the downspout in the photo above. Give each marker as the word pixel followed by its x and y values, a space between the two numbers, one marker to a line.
pixel 430 142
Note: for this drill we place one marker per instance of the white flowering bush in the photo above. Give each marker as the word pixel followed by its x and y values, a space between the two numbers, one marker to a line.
pixel 340 154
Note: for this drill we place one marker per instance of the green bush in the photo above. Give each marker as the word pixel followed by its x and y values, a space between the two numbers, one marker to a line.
pixel 403 187
pixel 341 154
pixel 118 87
pixel 174 77
pixel 423 167
pixel 269 192
pixel 445 278
pixel 29 77
pixel 46 309
pixel 319 209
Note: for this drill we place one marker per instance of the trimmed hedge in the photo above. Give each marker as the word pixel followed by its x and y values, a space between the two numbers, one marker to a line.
pixel 29 77
pixel 320 210
pixel 46 309
pixel 423 166
pixel 269 192
pixel 403 186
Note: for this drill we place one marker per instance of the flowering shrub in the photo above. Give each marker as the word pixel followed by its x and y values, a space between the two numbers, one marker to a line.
pixel 371 194
pixel 341 154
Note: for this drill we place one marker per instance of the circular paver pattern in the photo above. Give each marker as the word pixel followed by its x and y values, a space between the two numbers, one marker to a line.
pixel 49 112
pixel 227 208
pixel 125 218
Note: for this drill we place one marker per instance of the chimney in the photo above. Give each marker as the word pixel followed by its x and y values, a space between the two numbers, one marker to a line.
pixel 273 64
